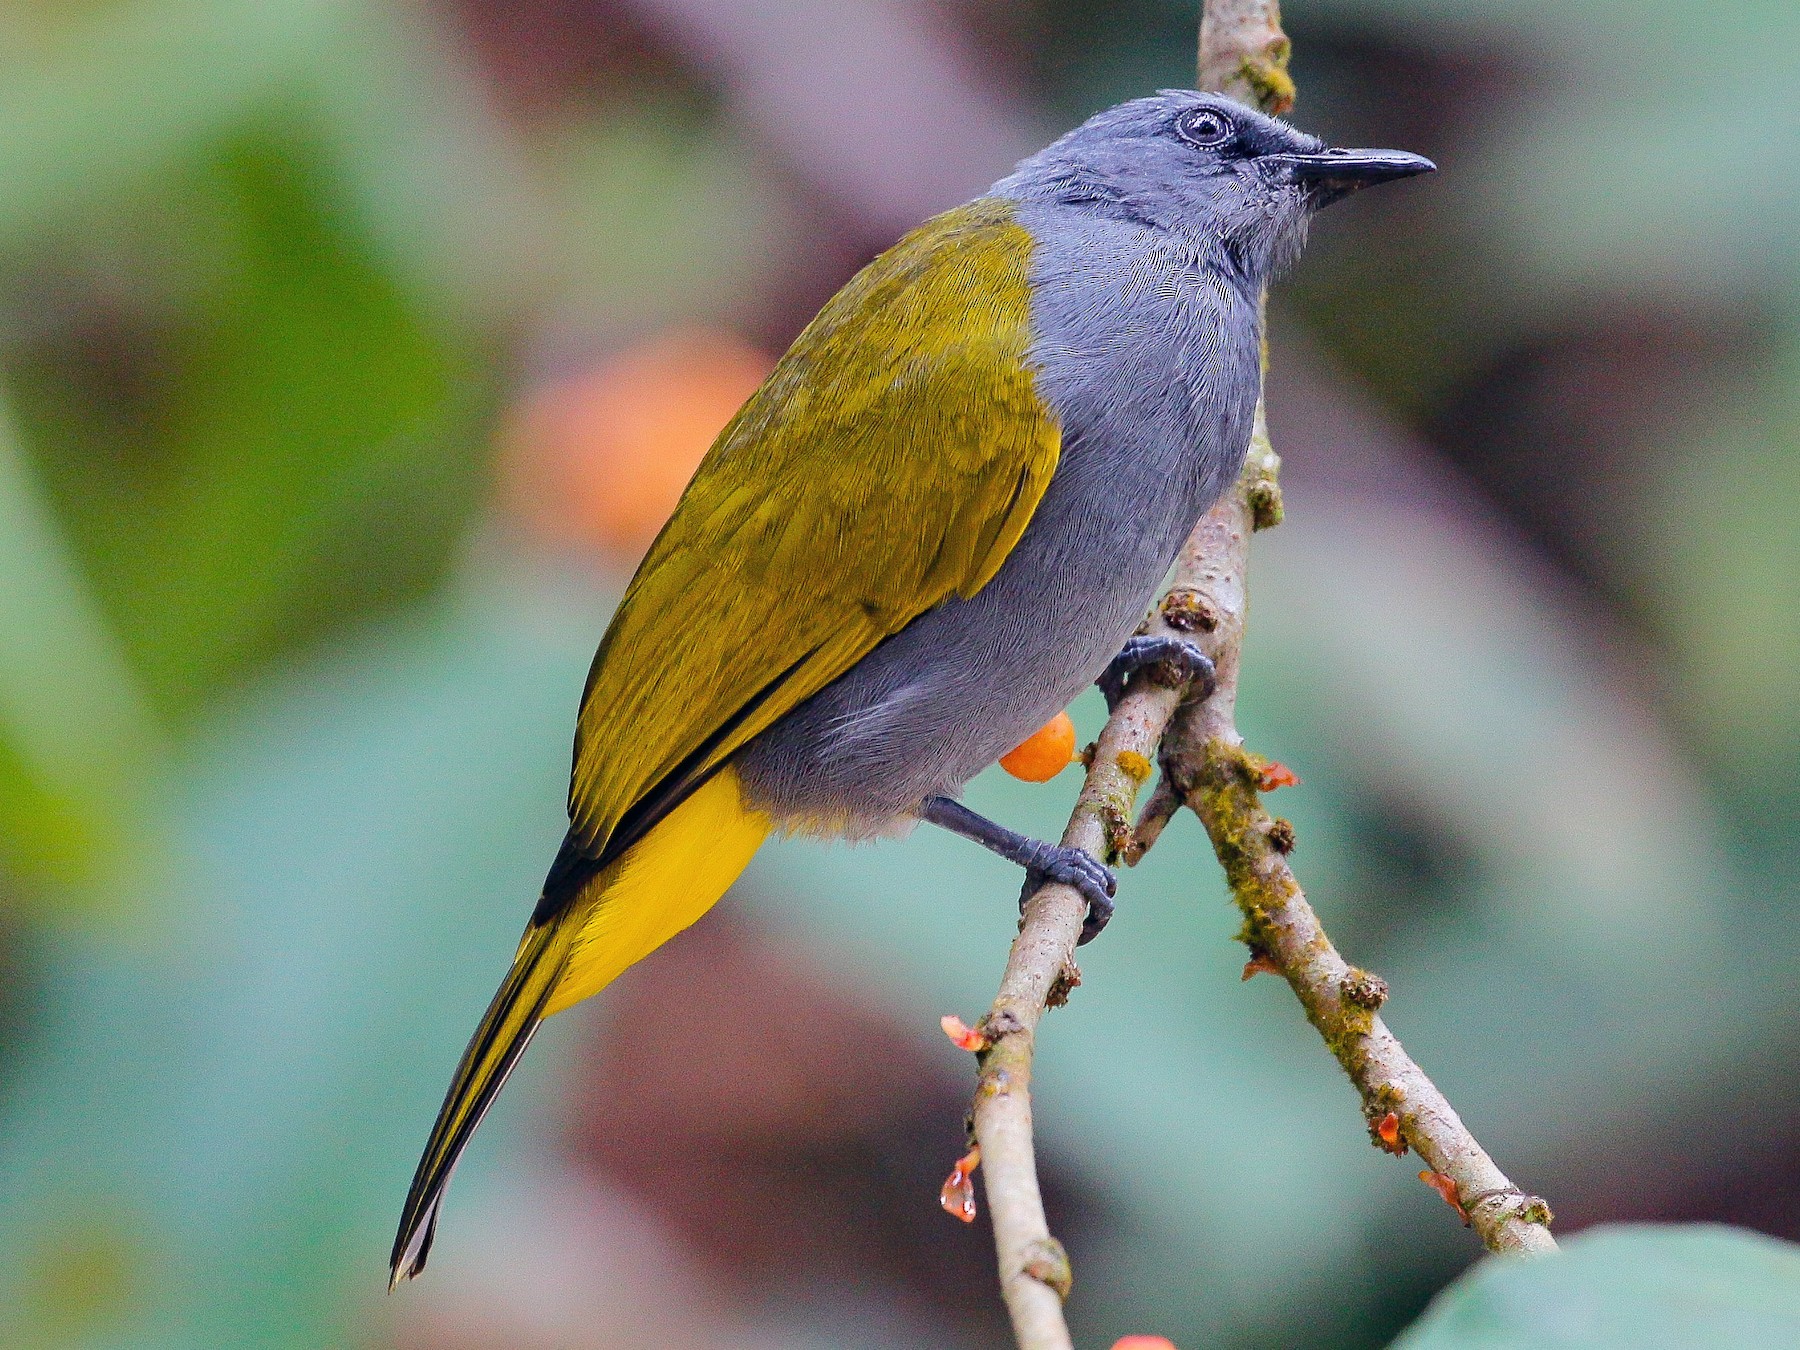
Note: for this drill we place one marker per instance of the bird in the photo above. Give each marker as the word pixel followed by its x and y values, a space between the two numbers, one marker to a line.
pixel 942 516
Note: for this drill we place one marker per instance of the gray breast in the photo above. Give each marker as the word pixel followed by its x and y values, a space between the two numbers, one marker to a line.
pixel 1150 363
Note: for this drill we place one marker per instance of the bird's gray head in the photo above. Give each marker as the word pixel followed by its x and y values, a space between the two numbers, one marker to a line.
pixel 1236 184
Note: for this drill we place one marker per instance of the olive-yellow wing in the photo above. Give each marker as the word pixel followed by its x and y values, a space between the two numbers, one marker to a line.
pixel 891 461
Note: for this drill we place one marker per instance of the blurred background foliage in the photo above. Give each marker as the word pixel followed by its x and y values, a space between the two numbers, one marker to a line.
pixel 350 352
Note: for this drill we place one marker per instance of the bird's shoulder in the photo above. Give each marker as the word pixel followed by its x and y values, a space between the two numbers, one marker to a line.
pixel 913 385
pixel 940 320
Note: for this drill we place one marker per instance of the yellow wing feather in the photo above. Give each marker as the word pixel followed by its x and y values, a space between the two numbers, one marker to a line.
pixel 890 462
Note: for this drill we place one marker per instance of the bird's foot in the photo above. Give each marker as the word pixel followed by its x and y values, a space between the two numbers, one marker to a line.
pixel 1171 660
pixel 1043 863
pixel 1072 867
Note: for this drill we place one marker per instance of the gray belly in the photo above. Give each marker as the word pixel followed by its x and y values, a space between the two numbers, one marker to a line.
pixel 959 687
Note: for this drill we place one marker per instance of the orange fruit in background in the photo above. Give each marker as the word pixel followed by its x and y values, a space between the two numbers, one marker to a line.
pixel 1043 754
pixel 598 459
pixel 1143 1343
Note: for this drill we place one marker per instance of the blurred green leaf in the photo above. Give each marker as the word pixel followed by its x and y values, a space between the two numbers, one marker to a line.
pixel 75 731
pixel 1726 577
pixel 130 86
pixel 428 171
pixel 301 446
pixel 1623 1288
pixel 228 1120
pixel 668 213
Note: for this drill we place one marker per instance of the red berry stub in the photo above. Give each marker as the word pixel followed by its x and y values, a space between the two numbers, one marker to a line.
pixel 961 1034
pixel 958 1195
pixel 1445 1187
pixel 1388 1130
pixel 1276 775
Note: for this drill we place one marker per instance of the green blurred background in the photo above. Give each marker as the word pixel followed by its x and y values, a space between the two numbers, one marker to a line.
pixel 350 351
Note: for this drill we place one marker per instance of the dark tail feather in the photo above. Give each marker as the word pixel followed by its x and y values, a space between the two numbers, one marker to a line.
pixel 507 1028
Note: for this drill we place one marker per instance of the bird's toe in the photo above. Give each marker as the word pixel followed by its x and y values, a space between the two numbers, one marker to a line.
pixel 1087 874
pixel 1179 661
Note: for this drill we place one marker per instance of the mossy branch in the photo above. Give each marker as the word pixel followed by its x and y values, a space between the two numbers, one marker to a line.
pixel 1205 766
pixel 1244 53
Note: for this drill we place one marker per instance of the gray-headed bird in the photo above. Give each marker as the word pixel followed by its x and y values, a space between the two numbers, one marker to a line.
pixel 940 518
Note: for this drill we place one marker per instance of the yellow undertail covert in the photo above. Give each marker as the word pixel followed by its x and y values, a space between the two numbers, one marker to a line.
pixel 661 885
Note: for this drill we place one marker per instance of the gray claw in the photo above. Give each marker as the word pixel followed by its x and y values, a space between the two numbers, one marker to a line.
pixel 1184 660
pixel 1072 867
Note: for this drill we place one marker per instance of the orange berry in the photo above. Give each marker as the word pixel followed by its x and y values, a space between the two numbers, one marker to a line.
pixel 1043 754
pixel 1143 1343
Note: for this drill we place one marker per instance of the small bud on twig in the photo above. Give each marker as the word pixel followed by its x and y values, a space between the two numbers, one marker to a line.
pixel 1446 1187
pixel 1274 775
pixel 1363 989
pixel 1048 1264
pixel 1265 505
pixel 958 1195
pixel 1260 964
pixel 1188 611
pixel 962 1035
pixel 1387 1134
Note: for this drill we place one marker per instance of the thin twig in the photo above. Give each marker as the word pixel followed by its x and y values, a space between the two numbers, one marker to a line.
pixel 1206 767
pixel 1040 972
pixel 1244 53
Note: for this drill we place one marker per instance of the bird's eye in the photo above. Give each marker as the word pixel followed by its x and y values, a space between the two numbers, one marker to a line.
pixel 1206 129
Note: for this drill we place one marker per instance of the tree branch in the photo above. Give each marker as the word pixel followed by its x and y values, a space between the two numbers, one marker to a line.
pixel 1040 972
pixel 1206 768
pixel 1244 53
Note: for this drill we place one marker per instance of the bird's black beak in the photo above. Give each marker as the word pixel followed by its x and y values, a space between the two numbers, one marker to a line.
pixel 1334 174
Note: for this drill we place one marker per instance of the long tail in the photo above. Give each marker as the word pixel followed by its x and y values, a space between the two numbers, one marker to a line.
pixel 507 1028
pixel 607 917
